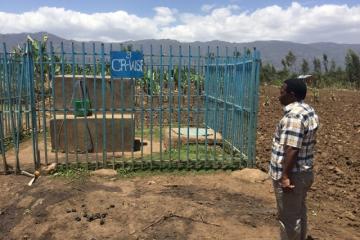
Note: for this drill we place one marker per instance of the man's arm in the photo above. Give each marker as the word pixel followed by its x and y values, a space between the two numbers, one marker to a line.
pixel 291 154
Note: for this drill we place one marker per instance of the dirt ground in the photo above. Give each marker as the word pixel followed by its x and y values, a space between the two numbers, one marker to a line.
pixel 210 205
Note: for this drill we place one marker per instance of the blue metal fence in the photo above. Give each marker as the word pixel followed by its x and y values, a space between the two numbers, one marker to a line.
pixel 193 108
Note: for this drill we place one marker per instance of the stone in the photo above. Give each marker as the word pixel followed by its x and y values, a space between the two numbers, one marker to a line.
pixel 340 148
pixel 50 169
pixel 250 175
pixel 350 216
pixel 104 173
pixel 338 171
pixel 331 167
pixel 324 155
pixel 38 202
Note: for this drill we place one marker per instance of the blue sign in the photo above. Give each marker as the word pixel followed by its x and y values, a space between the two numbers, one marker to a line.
pixel 126 64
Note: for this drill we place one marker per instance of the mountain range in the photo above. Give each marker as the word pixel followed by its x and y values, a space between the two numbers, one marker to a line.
pixel 271 51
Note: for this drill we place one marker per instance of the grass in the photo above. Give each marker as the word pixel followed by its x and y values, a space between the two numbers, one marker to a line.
pixel 73 173
pixel 155 130
pixel 82 174
pixel 186 159
pixel 147 132
pixel 129 173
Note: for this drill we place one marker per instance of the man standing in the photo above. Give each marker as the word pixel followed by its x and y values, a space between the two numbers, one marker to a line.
pixel 292 159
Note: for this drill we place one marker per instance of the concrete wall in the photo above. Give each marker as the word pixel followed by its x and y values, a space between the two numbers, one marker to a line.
pixel 122 91
pixel 82 133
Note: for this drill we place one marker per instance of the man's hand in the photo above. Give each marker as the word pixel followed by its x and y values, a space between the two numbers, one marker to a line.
pixel 286 184
pixel 291 154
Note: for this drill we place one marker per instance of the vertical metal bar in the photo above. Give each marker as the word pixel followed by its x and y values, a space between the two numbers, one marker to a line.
pixel 253 107
pixel 132 84
pixel 206 83
pixel 161 101
pixel 75 122
pixel 226 103
pixel 95 105
pixel 53 109
pixel 33 108
pixel 151 105
pixel 27 86
pixel 65 105
pixel 217 95
pixel 256 101
pixel 2 98
pixel 27 104
pixel 233 84
pixel 104 154
pixel 142 113
pixel 242 103
pixel 12 123
pixel 132 117
pixel 2 89
pixel 197 95
pixel 179 104
pixel 122 122
pixel 112 118
pixel 188 107
pixel 85 98
pixel 43 99
pixel 171 89
pixel 18 109
pixel 248 108
pixel 2 145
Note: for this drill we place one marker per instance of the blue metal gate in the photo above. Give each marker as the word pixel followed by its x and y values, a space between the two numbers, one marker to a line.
pixel 193 108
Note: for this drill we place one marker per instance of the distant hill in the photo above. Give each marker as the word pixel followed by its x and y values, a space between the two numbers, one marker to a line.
pixel 271 51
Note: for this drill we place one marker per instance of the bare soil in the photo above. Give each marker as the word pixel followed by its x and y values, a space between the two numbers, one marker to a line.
pixel 211 205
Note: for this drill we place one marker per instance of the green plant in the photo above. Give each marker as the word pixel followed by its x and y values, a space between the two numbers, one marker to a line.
pixel 79 173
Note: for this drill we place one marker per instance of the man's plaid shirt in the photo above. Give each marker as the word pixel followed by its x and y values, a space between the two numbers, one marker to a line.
pixel 298 129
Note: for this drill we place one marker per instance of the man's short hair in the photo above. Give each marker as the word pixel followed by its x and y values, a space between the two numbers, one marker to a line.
pixel 297 86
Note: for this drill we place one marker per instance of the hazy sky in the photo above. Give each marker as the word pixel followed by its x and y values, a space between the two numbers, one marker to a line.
pixel 186 20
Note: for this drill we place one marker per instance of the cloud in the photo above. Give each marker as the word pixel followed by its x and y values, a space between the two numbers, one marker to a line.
pixel 328 22
pixel 207 7
pixel 164 16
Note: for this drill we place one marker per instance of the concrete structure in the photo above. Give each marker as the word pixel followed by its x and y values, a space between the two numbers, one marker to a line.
pixel 112 131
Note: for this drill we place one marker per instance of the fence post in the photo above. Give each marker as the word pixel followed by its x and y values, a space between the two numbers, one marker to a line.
pixel 10 99
pixel 2 146
pixel 253 105
pixel 30 67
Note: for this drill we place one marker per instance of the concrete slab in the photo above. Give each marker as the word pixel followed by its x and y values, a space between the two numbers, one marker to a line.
pixel 201 137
